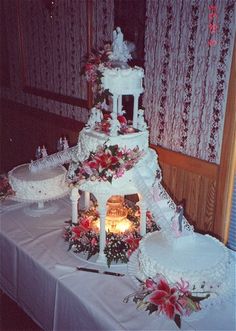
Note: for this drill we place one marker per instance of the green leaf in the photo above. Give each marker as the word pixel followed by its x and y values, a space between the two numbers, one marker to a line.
pixel 177 320
pixel 151 308
pixel 198 299
pixel 109 179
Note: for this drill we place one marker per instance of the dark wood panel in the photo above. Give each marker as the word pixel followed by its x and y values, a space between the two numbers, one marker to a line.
pixel 24 128
pixel 228 159
pixel 191 182
pixel 26 54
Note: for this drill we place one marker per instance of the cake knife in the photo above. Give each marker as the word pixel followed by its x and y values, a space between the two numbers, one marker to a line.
pixel 100 272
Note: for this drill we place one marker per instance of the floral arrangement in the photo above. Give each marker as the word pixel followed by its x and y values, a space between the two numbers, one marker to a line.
pixel 107 163
pixel 173 300
pixel 104 126
pixel 84 237
pixel 95 62
pixel 5 188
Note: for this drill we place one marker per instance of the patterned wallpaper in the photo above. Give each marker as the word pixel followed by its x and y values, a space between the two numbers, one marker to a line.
pixel 53 50
pixel 186 78
pixel 188 53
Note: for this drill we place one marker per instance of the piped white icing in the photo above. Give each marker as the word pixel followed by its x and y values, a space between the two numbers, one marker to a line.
pixel 201 260
pixel 38 186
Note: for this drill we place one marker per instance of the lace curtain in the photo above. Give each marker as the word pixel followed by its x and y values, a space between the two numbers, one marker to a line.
pixel 188 54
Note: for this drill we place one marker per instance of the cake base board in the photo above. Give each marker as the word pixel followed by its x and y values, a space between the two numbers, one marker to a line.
pixel 38 209
pixel 118 267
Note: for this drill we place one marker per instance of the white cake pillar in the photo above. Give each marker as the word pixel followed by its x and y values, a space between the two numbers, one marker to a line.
pixel 119 111
pixel 84 201
pixel 74 196
pixel 115 102
pixel 102 201
pixel 143 215
pixel 135 111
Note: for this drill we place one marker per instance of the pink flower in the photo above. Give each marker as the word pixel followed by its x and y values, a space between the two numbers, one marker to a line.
pixel 189 305
pixel 183 286
pixel 93 164
pixel 150 284
pixel 94 242
pixel 133 243
pixel 120 172
pixel 166 298
pixel 87 169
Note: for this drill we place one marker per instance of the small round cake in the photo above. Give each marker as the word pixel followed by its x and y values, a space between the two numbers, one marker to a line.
pixel 201 260
pixel 44 185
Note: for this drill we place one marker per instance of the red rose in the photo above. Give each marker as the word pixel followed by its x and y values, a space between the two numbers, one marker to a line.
pixel 106 116
pixel 76 230
pixel 93 164
pixel 122 119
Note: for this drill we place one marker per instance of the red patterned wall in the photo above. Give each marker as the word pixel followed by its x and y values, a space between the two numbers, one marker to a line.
pixel 46 50
pixel 188 45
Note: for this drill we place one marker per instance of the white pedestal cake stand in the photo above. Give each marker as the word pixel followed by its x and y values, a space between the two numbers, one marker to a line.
pixel 37 208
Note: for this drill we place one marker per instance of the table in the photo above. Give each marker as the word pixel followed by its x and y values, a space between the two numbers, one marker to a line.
pixel 37 271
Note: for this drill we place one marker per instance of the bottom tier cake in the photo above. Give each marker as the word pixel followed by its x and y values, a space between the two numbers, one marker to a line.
pixel 201 260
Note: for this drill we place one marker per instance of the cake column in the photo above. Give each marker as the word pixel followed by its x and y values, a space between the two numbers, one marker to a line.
pixel 119 111
pixel 143 215
pixel 115 101
pixel 74 196
pixel 102 200
pixel 135 111
pixel 84 201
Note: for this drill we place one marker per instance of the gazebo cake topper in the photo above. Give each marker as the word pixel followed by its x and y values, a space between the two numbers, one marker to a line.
pixel 111 78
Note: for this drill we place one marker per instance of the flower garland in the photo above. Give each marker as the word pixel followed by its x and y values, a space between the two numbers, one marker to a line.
pixel 173 300
pixel 96 61
pixel 5 188
pixel 107 163
pixel 84 237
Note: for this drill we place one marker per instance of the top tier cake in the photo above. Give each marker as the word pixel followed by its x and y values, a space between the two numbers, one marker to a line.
pixel 123 81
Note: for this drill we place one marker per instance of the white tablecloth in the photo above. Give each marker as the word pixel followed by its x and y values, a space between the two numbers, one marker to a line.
pixel 38 272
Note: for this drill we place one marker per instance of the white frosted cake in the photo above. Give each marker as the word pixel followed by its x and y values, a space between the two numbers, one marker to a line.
pixel 201 260
pixel 44 185
pixel 89 140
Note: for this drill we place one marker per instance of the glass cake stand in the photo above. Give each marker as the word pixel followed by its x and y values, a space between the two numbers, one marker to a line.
pixel 37 208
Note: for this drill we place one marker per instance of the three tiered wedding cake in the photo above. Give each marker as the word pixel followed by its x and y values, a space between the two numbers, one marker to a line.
pixel 113 158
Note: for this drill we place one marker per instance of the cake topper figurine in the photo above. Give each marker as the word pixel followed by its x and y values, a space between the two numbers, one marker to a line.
pixel 60 144
pixel 44 151
pixel 38 153
pixel 120 51
pixel 114 125
pixel 92 119
pixel 180 212
pixel 177 222
pixel 141 124
pixel 65 143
